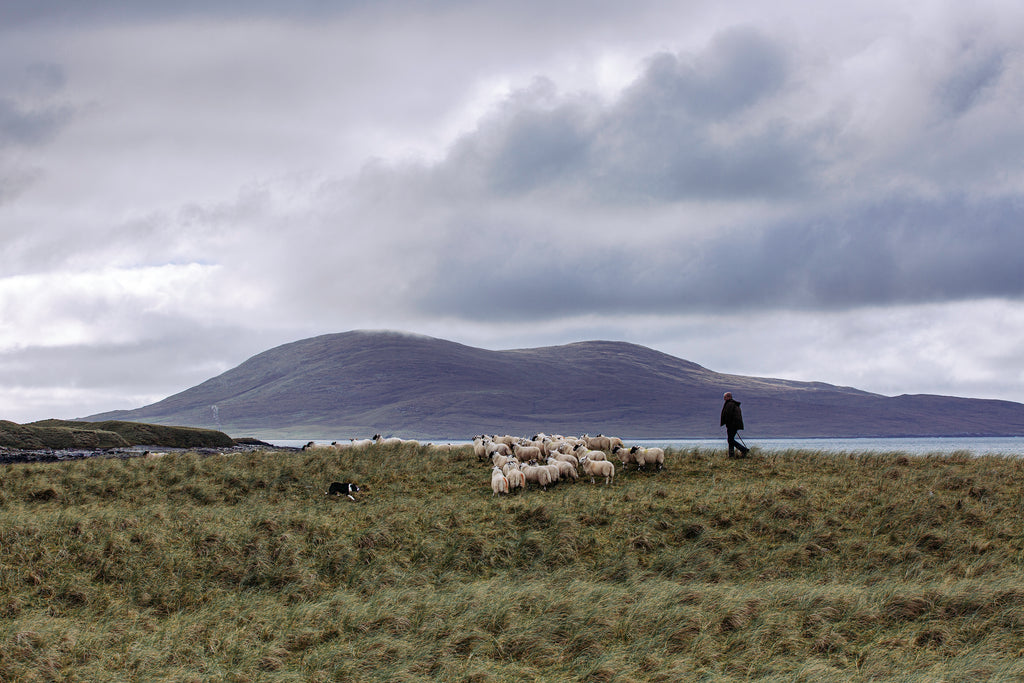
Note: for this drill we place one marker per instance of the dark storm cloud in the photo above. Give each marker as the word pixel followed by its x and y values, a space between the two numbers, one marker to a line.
pixel 896 252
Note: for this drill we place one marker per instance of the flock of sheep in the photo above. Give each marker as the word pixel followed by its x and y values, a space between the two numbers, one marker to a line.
pixel 545 460
pixel 540 461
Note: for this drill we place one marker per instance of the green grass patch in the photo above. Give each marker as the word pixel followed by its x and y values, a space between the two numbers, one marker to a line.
pixel 799 566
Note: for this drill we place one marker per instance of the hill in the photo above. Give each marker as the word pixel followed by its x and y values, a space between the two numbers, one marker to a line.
pixel 67 434
pixel 359 383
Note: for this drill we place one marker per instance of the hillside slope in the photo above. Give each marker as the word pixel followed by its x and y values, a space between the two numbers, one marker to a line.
pixel 361 382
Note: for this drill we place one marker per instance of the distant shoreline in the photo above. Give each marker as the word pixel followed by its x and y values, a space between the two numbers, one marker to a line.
pixel 11 456
pixel 1011 446
pixel 915 445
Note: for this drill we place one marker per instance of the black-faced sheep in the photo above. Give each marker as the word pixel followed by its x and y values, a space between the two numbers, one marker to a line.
pixel 582 451
pixel 480 448
pixel 655 456
pixel 626 455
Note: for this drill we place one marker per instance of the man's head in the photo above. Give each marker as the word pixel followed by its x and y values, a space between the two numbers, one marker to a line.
pixel 728 396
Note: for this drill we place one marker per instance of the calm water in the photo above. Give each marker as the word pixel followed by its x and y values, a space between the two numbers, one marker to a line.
pixel 1002 445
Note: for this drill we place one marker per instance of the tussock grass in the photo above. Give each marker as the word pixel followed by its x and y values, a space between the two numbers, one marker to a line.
pixel 796 566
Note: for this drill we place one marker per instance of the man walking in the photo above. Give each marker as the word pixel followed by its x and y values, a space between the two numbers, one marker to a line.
pixel 732 418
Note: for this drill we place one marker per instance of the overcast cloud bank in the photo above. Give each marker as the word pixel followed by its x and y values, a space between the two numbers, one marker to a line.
pixel 792 192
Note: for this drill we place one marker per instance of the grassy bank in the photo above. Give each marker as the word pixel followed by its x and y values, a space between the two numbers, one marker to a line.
pixel 69 434
pixel 798 566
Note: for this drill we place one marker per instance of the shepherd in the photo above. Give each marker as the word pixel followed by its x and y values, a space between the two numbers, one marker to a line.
pixel 732 419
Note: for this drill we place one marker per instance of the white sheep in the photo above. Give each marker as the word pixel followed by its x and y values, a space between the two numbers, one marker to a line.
pixel 515 476
pixel 566 457
pixel 565 469
pixel 499 484
pixel 394 441
pixel 492 447
pixel 556 474
pixel 527 452
pixel 480 448
pixel 541 476
pixel 598 468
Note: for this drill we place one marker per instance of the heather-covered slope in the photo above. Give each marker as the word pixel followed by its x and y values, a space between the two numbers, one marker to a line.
pixel 358 383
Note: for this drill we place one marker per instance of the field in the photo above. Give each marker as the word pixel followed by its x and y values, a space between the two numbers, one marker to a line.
pixel 795 566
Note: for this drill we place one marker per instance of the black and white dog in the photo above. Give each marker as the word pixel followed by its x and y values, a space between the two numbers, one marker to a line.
pixel 342 487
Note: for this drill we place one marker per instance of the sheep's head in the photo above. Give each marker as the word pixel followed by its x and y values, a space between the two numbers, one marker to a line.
pixel 634 449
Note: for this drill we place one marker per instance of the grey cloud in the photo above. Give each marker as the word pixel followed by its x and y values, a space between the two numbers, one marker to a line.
pixel 898 251
pixel 12 183
pixel 974 72
pixel 739 68
pixel 28 119
pixel 168 362
pixel 26 127
pixel 69 12
pixel 655 142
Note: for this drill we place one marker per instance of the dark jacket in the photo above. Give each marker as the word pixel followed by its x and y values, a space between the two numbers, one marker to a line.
pixel 732 418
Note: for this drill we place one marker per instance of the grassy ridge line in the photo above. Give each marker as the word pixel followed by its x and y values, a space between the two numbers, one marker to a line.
pixel 68 434
pixel 804 566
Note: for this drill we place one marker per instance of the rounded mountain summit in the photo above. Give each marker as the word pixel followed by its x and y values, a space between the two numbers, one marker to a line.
pixel 358 383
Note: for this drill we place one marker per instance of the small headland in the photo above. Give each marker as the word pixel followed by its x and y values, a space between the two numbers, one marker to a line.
pixel 63 440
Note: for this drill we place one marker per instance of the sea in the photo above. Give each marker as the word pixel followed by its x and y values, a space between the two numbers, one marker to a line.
pixel 931 445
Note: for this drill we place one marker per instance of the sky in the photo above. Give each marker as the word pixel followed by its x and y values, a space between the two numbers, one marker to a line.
pixel 813 191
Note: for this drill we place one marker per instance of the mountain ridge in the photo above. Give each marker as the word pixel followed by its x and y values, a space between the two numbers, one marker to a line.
pixel 362 382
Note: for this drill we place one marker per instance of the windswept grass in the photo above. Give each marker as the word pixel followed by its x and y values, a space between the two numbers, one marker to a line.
pixel 797 566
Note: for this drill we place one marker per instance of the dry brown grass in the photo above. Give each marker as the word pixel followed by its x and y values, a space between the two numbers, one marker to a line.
pixel 801 566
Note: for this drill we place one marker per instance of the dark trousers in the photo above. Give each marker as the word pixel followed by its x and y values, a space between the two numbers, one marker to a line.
pixel 733 443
